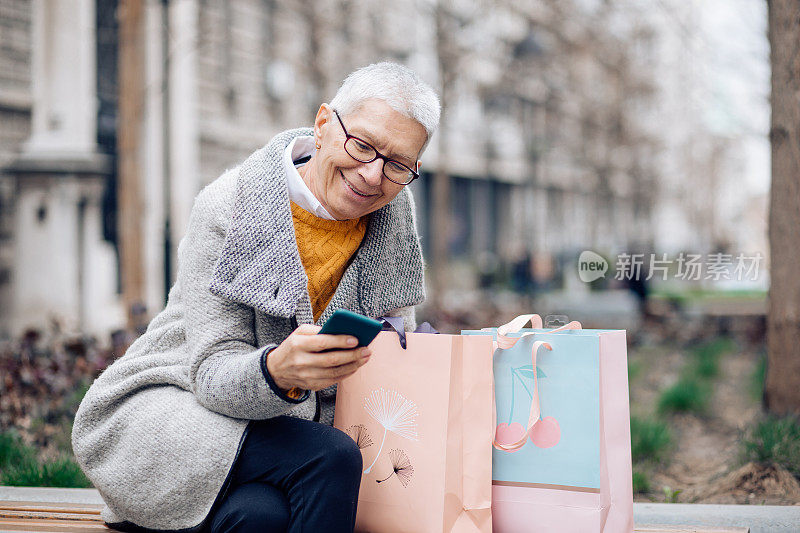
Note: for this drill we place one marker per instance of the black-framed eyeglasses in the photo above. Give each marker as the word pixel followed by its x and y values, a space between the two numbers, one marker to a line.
pixel 363 152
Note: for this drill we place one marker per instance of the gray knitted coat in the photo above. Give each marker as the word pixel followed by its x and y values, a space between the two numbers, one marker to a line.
pixel 158 431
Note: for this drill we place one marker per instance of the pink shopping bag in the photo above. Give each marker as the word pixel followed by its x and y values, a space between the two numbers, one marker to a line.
pixel 422 416
pixel 562 452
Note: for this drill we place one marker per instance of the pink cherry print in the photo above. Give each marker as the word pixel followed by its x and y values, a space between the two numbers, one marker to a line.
pixel 508 434
pixel 545 433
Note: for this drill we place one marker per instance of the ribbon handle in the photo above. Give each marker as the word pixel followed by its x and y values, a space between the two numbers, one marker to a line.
pixel 519 322
pixel 396 324
pixel 505 342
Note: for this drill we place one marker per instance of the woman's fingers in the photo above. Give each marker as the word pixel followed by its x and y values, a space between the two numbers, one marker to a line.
pixel 338 357
pixel 341 372
pixel 334 375
pixel 319 343
pixel 323 370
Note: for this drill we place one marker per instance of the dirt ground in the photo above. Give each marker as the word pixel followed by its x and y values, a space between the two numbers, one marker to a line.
pixel 705 463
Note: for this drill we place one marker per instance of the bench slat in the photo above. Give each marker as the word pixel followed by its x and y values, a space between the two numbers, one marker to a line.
pixel 45 515
pixel 52 525
pixel 60 507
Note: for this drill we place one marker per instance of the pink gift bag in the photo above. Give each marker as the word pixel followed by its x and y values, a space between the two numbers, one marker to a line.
pixel 422 416
pixel 562 450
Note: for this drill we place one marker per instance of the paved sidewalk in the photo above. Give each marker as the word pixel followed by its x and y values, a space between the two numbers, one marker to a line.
pixel 759 518
pixel 45 494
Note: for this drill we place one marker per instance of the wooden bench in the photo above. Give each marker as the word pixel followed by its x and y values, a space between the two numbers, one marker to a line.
pixel 48 516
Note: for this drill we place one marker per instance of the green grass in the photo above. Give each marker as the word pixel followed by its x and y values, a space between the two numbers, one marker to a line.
pixel 706 367
pixel 20 466
pixel 13 451
pixel 641 483
pixel 774 440
pixel 60 472
pixel 688 395
pixel 634 370
pixel 650 439
pixel 685 297
pixel 758 378
pixel 670 494
pixel 715 348
pixel 692 392
pixel 704 363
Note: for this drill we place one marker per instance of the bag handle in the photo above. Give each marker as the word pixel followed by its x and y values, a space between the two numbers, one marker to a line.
pixel 519 322
pixel 504 342
pixel 395 323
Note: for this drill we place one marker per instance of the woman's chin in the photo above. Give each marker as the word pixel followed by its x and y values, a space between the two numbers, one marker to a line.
pixel 350 205
pixel 347 211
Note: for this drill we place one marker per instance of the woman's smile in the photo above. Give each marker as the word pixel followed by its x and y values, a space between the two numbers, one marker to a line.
pixel 361 196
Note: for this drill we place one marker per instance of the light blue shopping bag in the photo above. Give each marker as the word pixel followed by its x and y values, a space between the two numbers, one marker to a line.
pixel 562 442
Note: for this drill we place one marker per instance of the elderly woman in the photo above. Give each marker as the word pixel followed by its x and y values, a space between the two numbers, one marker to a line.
pixel 219 417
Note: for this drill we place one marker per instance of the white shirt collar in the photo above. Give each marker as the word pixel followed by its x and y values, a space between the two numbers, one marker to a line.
pixel 299 192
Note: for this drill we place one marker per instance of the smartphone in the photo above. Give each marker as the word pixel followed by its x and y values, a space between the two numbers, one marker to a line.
pixel 344 322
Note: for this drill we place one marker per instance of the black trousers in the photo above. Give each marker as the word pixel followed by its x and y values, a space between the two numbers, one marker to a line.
pixel 292 476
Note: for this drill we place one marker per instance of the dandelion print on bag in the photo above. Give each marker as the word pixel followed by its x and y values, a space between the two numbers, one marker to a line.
pixel 360 435
pixel 395 413
pixel 401 466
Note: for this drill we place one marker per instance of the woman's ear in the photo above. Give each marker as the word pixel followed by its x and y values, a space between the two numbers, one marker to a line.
pixel 321 123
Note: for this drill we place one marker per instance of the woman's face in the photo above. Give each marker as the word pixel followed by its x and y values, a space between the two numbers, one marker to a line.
pixel 347 188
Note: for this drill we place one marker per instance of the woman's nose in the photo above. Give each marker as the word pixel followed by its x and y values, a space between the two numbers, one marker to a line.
pixel 373 172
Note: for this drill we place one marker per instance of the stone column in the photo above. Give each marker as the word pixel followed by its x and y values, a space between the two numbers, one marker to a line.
pixel 63 271
pixel 185 180
pixel 63 79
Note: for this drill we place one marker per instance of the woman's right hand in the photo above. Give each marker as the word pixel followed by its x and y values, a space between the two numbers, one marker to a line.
pixel 297 361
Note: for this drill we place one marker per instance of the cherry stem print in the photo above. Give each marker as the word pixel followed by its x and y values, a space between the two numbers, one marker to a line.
pixel 395 413
pixel 516 374
pixel 400 466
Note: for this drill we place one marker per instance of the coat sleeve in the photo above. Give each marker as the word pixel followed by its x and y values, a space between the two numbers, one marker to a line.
pixel 227 369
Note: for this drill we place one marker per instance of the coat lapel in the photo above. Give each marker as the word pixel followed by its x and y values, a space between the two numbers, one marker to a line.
pixel 259 265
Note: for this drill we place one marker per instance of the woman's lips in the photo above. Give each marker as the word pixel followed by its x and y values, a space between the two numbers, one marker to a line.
pixel 356 191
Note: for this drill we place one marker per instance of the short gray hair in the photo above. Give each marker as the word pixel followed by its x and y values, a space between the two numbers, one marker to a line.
pixel 395 84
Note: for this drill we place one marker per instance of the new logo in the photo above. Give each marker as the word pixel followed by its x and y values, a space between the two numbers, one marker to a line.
pixel 591 266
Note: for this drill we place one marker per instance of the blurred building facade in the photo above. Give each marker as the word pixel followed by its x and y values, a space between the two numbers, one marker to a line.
pixel 567 126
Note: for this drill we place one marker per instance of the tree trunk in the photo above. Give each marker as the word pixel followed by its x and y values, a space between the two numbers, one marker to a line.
pixel 440 192
pixel 782 388
pixel 131 103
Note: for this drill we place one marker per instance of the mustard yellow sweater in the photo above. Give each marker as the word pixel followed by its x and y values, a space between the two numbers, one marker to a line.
pixel 326 248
